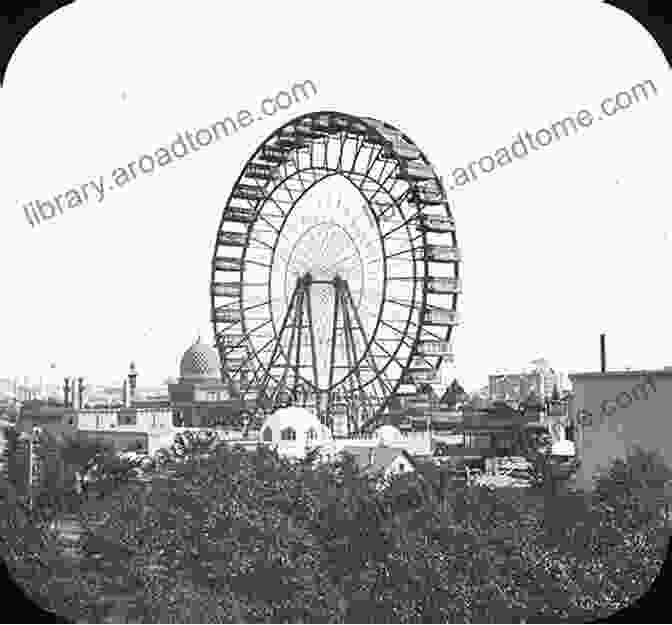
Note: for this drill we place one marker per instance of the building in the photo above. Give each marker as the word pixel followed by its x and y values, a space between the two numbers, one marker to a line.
pixel 204 396
pixel 516 387
pixel 380 461
pixel 613 411
pixel 294 431
pixel 6 386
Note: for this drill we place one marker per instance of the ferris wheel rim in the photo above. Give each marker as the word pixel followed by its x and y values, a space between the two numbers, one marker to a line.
pixel 423 306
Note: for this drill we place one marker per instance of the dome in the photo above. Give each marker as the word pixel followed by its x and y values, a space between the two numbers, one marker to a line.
pixel 563 448
pixel 293 428
pixel 388 434
pixel 200 363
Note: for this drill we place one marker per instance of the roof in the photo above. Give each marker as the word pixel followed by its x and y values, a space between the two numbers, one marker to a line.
pixel 383 457
pixel 388 433
pixel 296 417
pixel 667 372
pixel 200 362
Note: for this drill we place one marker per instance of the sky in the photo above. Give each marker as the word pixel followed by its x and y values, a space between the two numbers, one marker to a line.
pixel 559 246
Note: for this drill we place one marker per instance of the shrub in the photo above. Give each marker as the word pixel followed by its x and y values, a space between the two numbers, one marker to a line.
pixel 238 536
pixel 634 488
pixel 640 469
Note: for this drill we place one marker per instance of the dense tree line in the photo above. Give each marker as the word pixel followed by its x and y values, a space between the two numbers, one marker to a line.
pixel 219 534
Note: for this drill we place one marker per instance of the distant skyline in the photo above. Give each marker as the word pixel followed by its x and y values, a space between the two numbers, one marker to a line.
pixel 571 241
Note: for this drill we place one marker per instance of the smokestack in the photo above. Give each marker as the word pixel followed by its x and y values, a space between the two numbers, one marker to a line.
pixel 603 354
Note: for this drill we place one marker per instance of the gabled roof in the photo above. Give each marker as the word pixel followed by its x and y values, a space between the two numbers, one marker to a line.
pixel 383 457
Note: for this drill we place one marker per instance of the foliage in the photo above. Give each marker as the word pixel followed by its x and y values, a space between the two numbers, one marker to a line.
pixel 83 454
pixel 15 468
pixel 636 485
pixel 135 446
pixel 640 469
pixel 228 535
pixel 193 445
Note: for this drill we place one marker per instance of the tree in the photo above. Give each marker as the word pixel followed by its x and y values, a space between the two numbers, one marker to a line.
pixel 83 454
pixel 635 485
pixel 111 471
pixel 238 536
pixel 189 444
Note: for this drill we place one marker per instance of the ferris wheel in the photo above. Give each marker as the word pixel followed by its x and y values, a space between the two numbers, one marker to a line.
pixel 335 274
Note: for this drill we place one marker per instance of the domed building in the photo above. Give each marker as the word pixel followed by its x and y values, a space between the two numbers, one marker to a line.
pixel 204 396
pixel 389 435
pixel 293 431
pixel 200 363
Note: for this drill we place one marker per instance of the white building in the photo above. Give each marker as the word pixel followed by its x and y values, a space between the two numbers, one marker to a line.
pixel 294 431
pixel 380 461
pixel 614 411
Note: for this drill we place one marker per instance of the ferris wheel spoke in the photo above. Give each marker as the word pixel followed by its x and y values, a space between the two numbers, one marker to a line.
pixel 299 172
pixel 362 214
pixel 406 222
pixel 401 198
pixel 381 187
pixel 342 141
pixel 372 161
pixel 380 181
pixel 266 245
pixel 410 250
pixel 378 263
pixel 405 340
pixel 252 354
pixel 401 303
pixel 285 186
pixel 341 260
pixel 244 337
pixel 360 144
pixel 426 331
pixel 272 199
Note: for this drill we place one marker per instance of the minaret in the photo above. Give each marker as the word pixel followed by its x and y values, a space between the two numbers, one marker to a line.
pixel 66 392
pixel 80 392
pixel 73 393
pixel 132 377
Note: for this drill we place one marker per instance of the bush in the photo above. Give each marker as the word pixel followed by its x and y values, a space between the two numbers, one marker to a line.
pixel 249 536
pixel 135 446
pixel 635 488
pixel 640 469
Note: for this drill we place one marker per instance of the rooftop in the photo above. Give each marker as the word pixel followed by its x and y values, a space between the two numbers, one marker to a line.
pixel 634 373
pixel 382 457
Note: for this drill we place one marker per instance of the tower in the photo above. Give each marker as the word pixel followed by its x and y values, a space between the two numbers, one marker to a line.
pixel 66 392
pixel 132 377
pixel 80 392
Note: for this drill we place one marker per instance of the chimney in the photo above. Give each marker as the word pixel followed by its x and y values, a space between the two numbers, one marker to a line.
pixel 603 354
pixel 125 394
pixel 66 392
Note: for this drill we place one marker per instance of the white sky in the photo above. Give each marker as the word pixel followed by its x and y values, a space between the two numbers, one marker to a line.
pixel 558 247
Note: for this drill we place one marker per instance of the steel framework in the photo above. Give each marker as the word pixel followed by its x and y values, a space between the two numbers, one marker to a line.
pixel 335 304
